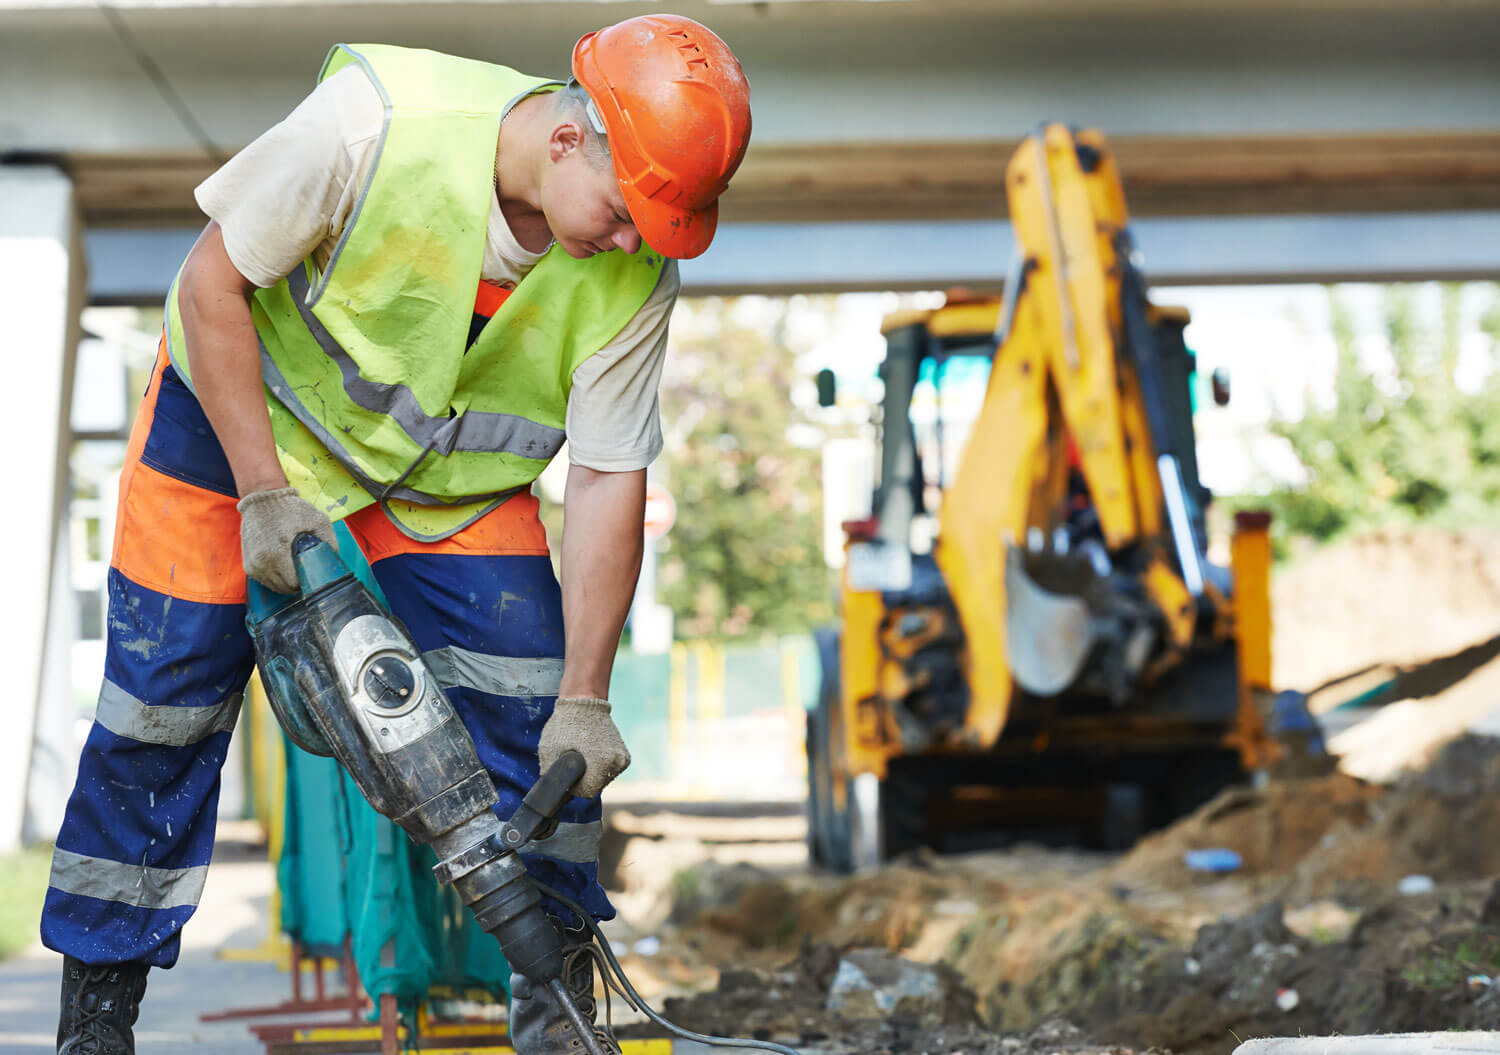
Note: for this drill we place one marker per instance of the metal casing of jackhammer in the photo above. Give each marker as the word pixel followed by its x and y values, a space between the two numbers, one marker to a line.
pixel 345 679
pixel 362 686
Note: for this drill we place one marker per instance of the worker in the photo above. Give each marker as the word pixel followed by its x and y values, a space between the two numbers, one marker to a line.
pixel 411 292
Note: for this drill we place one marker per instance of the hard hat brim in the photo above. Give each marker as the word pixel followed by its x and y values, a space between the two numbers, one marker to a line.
pixel 671 231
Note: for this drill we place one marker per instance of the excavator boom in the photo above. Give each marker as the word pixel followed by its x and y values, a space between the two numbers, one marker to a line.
pixel 1066 631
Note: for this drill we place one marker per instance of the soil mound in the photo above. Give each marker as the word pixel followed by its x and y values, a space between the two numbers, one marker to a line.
pixel 1390 597
pixel 1142 951
pixel 1272 829
pixel 1437 822
pixel 1337 836
pixel 806 1003
pixel 1411 964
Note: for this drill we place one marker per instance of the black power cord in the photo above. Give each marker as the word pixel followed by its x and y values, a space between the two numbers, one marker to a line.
pixel 635 999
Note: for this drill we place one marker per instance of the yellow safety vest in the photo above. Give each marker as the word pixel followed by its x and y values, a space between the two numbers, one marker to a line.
pixel 371 392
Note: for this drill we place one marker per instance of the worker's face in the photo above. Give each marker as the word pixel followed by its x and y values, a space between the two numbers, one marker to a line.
pixel 581 198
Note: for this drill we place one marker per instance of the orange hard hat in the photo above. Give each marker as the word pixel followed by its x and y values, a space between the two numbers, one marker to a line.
pixel 676 109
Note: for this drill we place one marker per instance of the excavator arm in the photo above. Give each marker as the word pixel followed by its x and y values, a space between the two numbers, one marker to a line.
pixel 1076 379
pixel 1064 654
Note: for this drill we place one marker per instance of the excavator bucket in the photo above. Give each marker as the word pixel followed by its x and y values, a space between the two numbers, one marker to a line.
pixel 1047 636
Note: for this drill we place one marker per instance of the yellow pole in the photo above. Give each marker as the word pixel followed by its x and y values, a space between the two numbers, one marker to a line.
pixel 677 708
pixel 1250 563
pixel 268 768
pixel 708 695
pixel 710 657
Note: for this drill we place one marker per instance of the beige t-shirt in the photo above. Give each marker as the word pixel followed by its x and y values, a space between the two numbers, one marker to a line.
pixel 291 192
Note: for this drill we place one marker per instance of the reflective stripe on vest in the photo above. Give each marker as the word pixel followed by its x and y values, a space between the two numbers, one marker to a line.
pixel 474 430
pixel 285 394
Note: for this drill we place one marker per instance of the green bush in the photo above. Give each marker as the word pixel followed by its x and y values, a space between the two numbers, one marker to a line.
pixel 745 558
pixel 1402 443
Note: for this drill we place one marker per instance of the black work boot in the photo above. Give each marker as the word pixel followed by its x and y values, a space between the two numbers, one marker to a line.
pixel 537 1025
pixel 99 1007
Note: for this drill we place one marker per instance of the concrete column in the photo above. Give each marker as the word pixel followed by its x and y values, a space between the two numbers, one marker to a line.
pixel 42 287
pixel 55 741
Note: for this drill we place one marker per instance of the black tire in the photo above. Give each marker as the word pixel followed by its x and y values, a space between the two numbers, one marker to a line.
pixel 904 821
pixel 1125 816
pixel 830 843
pixel 817 798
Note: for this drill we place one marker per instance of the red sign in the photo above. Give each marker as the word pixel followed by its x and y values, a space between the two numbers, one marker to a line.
pixel 661 511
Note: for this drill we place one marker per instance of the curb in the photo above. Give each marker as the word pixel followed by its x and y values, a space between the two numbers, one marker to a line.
pixel 1451 1043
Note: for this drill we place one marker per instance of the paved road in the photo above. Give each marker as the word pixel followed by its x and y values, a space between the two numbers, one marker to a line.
pixel 233 914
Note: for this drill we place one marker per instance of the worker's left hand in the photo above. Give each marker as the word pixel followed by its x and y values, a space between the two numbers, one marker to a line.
pixel 583 724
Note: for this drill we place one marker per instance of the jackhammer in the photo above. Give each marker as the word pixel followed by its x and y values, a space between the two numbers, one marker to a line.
pixel 345 680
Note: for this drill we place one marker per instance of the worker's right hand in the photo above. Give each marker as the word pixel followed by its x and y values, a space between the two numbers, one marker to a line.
pixel 269 521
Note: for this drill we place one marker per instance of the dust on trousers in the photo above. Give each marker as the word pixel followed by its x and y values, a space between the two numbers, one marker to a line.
pixel 133 851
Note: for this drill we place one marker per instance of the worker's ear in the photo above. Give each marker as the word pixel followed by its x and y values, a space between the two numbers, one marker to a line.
pixel 566 137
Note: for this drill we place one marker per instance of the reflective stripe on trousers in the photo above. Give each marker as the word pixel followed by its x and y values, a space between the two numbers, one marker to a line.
pixel 134 846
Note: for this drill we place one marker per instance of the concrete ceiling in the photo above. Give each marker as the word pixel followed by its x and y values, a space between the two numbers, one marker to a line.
pixel 865 110
pixel 861 108
pixel 838 71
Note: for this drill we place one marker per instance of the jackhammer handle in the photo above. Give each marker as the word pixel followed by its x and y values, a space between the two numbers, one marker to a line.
pixel 539 808
pixel 555 787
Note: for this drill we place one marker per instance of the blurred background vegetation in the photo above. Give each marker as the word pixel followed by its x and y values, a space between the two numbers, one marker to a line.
pixel 1402 441
pixel 744 462
pixel 23 881
pixel 1405 432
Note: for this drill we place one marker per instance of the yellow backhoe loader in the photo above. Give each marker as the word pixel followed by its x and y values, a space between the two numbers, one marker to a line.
pixel 1034 645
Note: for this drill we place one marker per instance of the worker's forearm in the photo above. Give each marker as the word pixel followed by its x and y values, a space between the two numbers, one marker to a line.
pixel 601 560
pixel 224 357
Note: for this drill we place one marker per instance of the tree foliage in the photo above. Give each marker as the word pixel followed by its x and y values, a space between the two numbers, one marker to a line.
pixel 1401 441
pixel 744 557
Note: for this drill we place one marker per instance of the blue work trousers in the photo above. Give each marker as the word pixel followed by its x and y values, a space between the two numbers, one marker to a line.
pixel 134 848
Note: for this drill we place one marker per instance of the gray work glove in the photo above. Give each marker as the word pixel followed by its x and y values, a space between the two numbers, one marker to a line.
pixel 269 521
pixel 583 724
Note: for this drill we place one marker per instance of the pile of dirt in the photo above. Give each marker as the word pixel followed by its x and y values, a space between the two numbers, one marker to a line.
pixel 1062 954
pixel 1272 828
pixel 1309 936
pixel 1435 822
pixel 1410 964
pixel 1390 597
pixel 806 1003
pixel 1435 702
pixel 1337 836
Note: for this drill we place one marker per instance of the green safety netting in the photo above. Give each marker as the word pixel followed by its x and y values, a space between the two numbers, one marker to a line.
pixel 346 871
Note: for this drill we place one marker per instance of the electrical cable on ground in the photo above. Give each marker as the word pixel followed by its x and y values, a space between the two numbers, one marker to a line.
pixel 634 998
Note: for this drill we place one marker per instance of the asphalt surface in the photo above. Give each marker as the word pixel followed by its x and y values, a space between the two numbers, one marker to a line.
pixel 234 914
